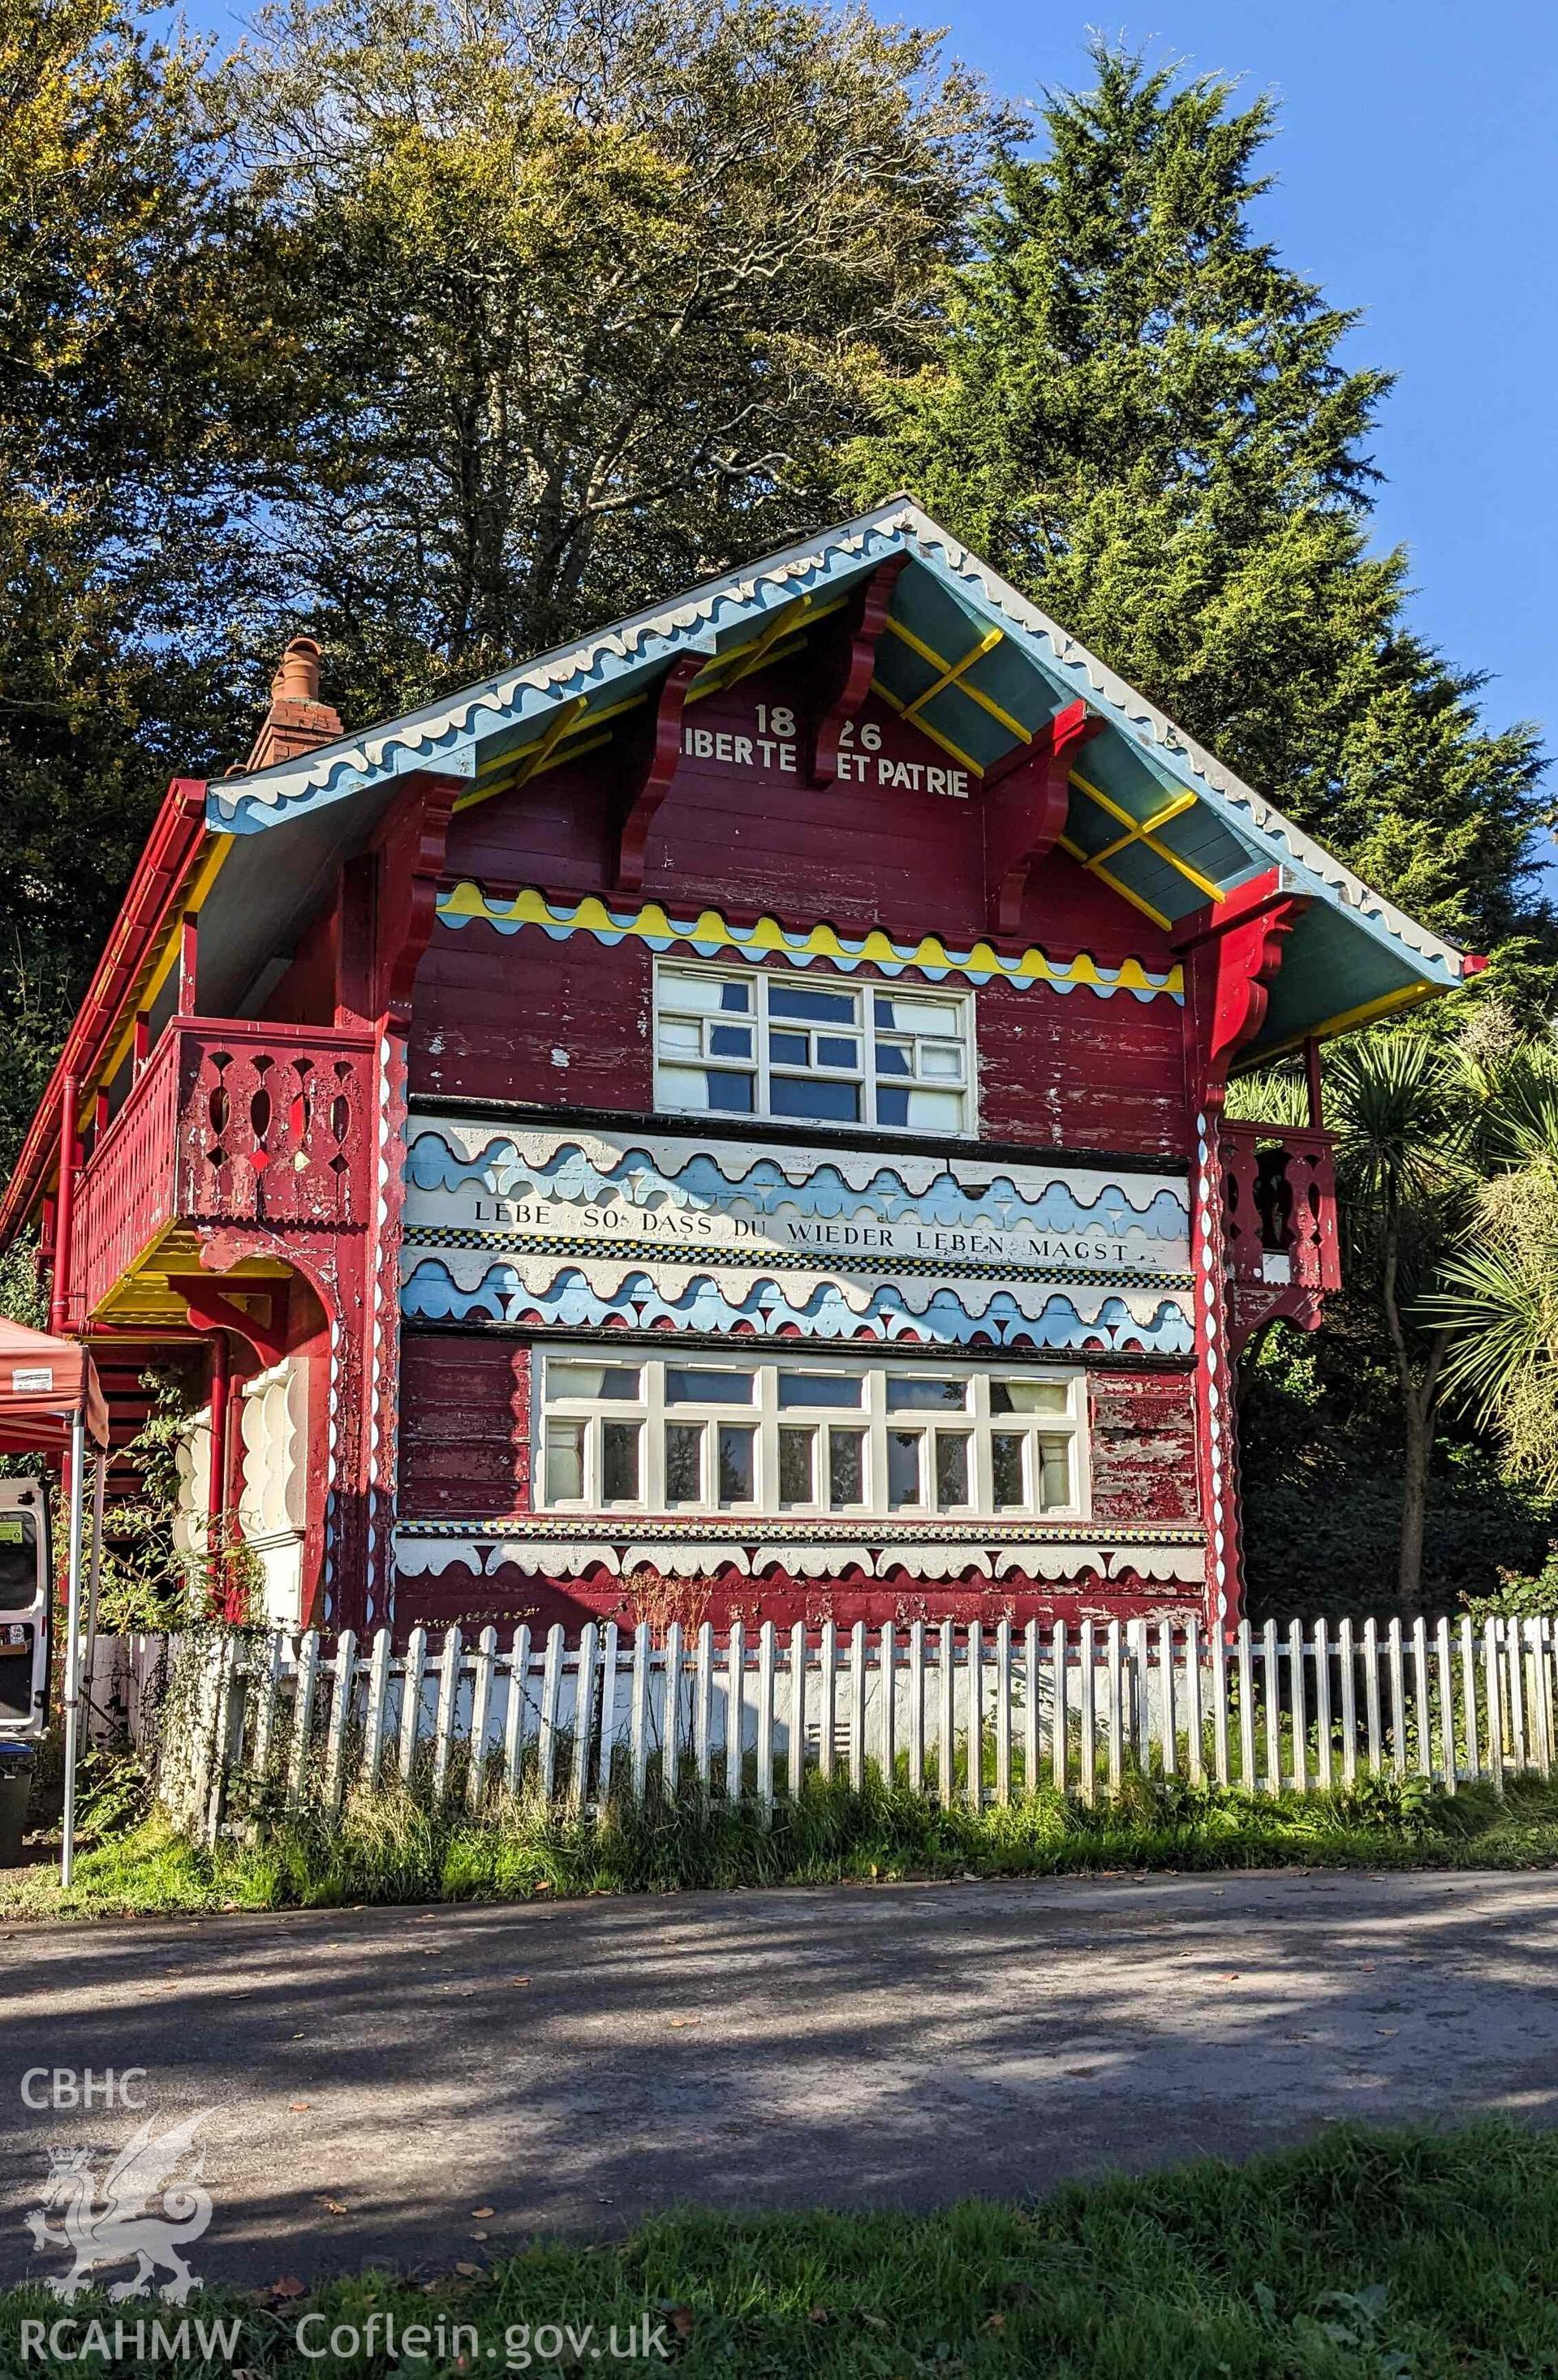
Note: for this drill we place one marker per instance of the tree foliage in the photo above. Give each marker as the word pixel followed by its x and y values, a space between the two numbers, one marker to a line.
pixel 1143 417
pixel 581 292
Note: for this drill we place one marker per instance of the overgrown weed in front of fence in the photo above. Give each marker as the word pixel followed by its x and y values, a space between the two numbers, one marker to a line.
pixel 403 1843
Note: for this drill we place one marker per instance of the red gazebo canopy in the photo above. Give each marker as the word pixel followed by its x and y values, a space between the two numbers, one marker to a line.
pixel 44 1380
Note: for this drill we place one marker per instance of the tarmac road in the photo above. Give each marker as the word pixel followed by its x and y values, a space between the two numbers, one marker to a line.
pixel 577 2066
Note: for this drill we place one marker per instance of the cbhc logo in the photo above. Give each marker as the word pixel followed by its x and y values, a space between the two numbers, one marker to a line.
pixel 71 2087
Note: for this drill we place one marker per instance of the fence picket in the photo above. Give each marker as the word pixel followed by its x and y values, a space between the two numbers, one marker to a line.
pixel 1195 1751
pixel 448 1695
pixel 411 1701
pixel 886 1734
pixel 1246 1707
pixel 1030 1750
pixel 1060 1723
pixel 827 1694
pixel 703 1708
pixel 766 1720
pixel 1115 1671
pixel 1446 1703
pixel 1298 1703
pixel 1322 1705
pixel 974 1740
pixel 1420 1697
pixel 1490 1685
pixel 377 1711
pixel 944 1680
pixel 637 1743
pixel 917 1706
pixel 513 1728
pixel 481 1713
pixel 1347 1661
pixel 1170 1727
pixel 1272 1685
pixel 1542 1677
pixel 858 1705
pixel 735 1708
pixel 551 1693
pixel 608 1710
pixel 265 1697
pixel 302 1716
pixel 584 1716
pixel 1514 1654
pixel 1218 1703
pixel 1371 1695
pixel 1001 1714
pixel 671 1716
pixel 1468 1700
pixel 798 1709
pixel 343 1685
pixel 1088 1750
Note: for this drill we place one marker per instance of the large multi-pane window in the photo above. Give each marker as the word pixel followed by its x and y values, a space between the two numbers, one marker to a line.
pixel 808 1434
pixel 757 1042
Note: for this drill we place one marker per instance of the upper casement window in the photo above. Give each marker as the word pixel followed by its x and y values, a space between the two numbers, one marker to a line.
pixel 753 1042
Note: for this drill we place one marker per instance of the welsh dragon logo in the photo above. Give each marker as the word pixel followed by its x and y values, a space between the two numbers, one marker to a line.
pixel 148 2210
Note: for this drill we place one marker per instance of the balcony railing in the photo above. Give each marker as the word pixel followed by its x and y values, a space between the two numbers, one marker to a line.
pixel 1280 1210
pixel 227 1122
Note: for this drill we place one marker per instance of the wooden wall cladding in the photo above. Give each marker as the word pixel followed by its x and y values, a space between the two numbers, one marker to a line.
pixel 557 1024
pixel 1144 1447
pixel 465 1427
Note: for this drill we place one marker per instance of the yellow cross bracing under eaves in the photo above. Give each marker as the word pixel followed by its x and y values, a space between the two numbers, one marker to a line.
pixel 575 730
pixel 1142 831
pixel 784 634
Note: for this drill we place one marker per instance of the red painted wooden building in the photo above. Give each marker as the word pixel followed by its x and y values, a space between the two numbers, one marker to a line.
pixel 735 1101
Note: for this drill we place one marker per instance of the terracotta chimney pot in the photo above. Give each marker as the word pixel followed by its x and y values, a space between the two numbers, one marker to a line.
pixel 297 678
pixel 297 721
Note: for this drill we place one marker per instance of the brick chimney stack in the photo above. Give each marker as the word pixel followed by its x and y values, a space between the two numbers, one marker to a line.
pixel 297 718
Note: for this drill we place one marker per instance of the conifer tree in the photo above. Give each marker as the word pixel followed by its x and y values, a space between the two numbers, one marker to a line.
pixel 1142 417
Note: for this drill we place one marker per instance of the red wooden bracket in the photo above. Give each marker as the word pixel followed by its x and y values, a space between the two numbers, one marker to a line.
pixel 1232 954
pixel 209 1309
pixel 652 782
pixel 865 625
pixel 410 846
pixel 1025 807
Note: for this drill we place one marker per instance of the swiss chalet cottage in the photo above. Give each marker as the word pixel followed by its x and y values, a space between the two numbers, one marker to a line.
pixel 735 1099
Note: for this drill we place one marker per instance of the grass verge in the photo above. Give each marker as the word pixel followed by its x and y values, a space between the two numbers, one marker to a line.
pixel 400 1845
pixel 1363 2256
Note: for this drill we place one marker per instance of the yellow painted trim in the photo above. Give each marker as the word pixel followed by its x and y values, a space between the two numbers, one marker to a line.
pixel 923 727
pixel 1148 826
pixel 574 752
pixel 953 671
pixel 144 992
pixel 709 935
pixel 1410 996
pixel 953 676
pixel 1136 899
pixel 1139 831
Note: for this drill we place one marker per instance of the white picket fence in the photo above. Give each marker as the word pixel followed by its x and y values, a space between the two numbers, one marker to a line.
pixel 976 1715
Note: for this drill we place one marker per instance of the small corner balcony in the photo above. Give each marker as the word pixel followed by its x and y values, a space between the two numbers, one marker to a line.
pixel 227 1122
pixel 1281 1243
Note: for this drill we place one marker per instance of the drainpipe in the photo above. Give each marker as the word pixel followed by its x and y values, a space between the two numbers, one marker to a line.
pixel 64 1209
pixel 221 1376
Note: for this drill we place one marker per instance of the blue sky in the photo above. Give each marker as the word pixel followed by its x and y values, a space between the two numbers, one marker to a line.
pixel 1416 166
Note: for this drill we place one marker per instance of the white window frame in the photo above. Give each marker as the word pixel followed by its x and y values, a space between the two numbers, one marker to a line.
pixel 765 1413
pixel 761 981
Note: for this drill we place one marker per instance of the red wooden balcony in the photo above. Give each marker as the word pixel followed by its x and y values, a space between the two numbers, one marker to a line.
pixel 1280 1212
pixel 227 1123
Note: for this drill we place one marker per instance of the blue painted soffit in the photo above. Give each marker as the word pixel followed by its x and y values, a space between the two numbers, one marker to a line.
pixel 1014 668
